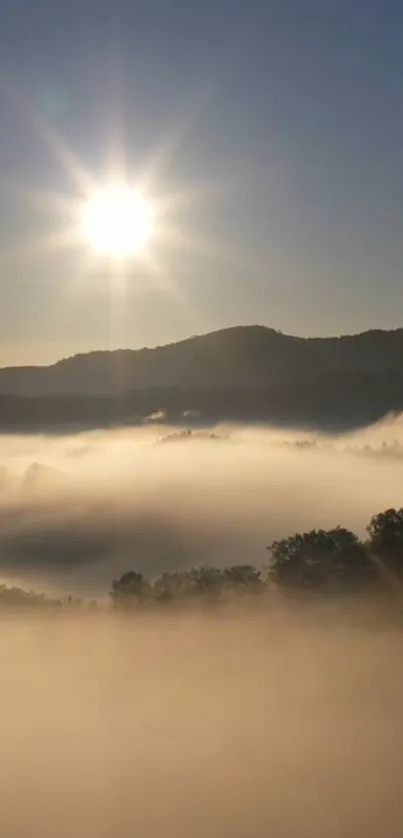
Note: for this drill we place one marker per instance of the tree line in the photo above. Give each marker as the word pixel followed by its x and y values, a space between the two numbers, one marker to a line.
pixel 318 562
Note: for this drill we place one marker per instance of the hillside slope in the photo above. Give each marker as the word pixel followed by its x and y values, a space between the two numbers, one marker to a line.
pixel 241 374
pixel 241 357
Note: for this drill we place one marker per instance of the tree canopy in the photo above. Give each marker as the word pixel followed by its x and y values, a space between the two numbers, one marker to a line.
pixel 322 560
pixel 385 532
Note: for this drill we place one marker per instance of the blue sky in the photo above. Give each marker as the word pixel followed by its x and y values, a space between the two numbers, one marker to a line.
pixel 286 116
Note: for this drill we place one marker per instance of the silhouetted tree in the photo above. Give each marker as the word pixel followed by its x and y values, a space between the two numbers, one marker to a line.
pixel 169 587
pixel 385 532
pixel 15 598
pixel 242 578
pixel 206 581
pixel 322 560
pixel 130 590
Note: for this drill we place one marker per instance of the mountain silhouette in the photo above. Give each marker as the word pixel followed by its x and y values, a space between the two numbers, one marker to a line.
pixel 246 373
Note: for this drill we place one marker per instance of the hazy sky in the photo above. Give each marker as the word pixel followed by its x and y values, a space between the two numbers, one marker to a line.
pixel 284 119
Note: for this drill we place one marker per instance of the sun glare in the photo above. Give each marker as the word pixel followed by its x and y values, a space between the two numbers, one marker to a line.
pixel 117 221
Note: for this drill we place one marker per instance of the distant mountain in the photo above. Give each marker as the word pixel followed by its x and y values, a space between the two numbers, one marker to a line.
pixel 249 372
pixel 241 357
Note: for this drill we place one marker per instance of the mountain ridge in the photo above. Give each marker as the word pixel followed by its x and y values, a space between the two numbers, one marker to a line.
pixel 239 356
pixel 245 373
pixel 366 334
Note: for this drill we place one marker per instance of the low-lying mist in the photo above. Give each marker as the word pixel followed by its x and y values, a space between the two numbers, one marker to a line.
pixel 77 511
pixel 256 725
pixel 271 719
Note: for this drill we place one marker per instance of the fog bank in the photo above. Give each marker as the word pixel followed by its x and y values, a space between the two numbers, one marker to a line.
pixel 77 511
pixel 250 726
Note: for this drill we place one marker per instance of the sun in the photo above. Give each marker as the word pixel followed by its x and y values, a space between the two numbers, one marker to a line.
pixel 117 221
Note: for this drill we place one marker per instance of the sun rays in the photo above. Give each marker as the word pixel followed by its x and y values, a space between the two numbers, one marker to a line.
pixel 122 230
